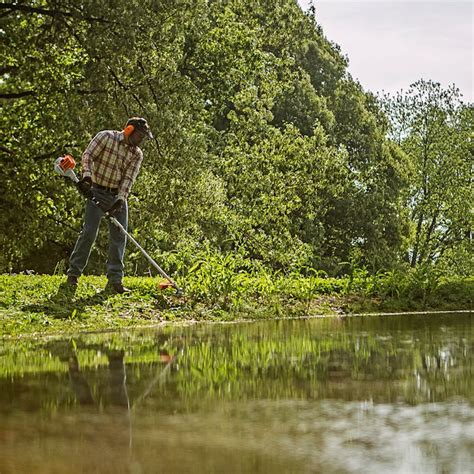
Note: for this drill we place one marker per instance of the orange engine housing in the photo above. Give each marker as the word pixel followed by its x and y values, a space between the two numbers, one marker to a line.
pixel 67 163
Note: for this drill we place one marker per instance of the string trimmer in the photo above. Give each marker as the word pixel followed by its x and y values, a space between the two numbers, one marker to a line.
pixel 64 166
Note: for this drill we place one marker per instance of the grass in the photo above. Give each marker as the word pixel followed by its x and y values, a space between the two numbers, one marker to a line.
pixel 216 290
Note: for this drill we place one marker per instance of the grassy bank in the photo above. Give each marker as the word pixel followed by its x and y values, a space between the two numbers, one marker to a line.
pixel 43 304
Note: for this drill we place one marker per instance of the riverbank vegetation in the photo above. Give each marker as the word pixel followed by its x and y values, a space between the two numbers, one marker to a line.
pixel 273 177
pixel 43 303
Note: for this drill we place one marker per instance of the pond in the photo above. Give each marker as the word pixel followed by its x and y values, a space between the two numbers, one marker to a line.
pixel 372 394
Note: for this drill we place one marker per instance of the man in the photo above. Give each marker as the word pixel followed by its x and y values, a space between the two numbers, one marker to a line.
pixel 110 166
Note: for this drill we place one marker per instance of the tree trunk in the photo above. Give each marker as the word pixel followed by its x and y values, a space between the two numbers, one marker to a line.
pixel 414 256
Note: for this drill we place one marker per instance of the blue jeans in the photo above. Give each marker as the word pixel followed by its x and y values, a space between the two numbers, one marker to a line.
pixel 117 240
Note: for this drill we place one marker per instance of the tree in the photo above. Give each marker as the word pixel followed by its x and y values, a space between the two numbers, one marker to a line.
pixel 434 128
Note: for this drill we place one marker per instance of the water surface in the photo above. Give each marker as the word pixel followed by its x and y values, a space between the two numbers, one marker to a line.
pixel 375 394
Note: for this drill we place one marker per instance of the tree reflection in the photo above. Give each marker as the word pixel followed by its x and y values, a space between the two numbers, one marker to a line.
pixel 386 359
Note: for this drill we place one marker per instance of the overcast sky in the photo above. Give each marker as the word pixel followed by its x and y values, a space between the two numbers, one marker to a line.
pixel 392 43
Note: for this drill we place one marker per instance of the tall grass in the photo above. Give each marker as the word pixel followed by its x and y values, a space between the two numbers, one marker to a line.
pixel 232 282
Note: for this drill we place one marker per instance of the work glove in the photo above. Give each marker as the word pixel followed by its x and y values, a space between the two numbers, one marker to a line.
pixel 84 186
pixel 116 207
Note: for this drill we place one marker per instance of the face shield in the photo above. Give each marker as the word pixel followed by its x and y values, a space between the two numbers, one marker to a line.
pixel 146 132
pixel 142 131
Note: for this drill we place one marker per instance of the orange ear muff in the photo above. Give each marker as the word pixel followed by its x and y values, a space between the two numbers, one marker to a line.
pixel 128 130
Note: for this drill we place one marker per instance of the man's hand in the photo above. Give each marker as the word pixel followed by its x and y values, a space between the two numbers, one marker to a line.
pixel 116 207
pixel 84 186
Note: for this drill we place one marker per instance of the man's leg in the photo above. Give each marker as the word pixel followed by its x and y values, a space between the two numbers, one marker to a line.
pixel 79 384
pixel 117 243
pixel 118 379
pixel 82 249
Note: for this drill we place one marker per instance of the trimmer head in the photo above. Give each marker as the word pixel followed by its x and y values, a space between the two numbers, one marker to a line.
pixel 165 284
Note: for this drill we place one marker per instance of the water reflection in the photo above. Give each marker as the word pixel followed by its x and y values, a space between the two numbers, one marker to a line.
pixel 335 395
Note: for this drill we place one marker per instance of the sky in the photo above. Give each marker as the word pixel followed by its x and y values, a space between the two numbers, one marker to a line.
pixel 393 43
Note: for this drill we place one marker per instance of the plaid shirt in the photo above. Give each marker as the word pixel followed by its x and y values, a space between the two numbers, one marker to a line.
pixel 110 162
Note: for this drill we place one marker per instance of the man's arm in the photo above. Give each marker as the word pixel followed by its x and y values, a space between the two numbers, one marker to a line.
pixel 131 173
pixel 92 151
